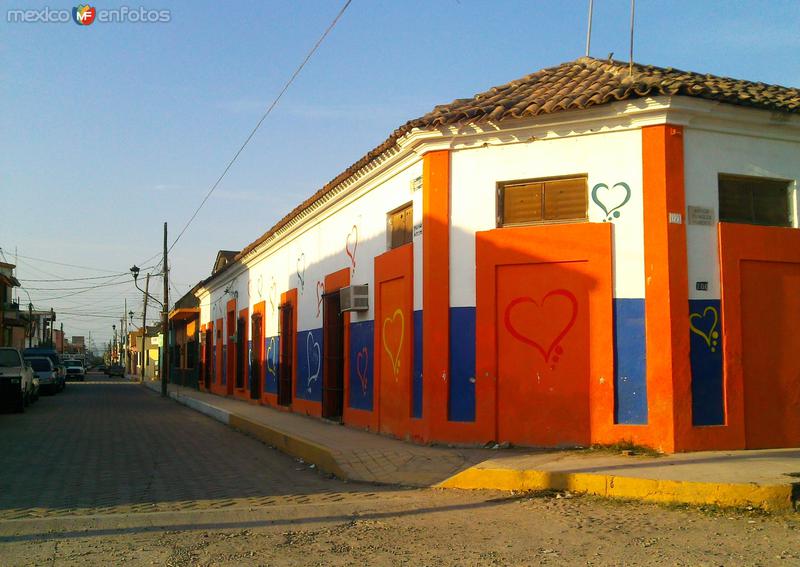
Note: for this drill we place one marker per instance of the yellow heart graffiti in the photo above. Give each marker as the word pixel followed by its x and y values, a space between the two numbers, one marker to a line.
pixel 272 357
pixel 711 337
pixel 394 357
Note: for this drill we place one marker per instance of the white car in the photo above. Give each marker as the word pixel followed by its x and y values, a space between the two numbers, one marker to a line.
pixel 16 379
pixel 43 369
pixel 75 370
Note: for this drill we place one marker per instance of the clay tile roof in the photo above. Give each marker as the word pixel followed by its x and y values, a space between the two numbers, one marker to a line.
pixel 576 85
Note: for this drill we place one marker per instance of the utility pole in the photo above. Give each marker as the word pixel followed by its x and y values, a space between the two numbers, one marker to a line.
pixel 62 338
pixel 165 322
pixel 144 326
pixel 30 325
pixel 50 329
pixel 127 342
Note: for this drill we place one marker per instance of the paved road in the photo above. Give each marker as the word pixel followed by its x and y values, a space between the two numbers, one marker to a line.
pixel 108 473
pixel 110 445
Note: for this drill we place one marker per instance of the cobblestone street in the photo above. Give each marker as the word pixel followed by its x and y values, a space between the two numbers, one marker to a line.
pixel 109 473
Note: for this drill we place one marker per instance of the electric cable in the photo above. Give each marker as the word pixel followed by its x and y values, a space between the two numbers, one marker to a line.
pixel 258 124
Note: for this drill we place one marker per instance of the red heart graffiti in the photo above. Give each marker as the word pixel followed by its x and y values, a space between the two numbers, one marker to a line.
pixel 363 354
pixel 320 291
pixel 353 234
pixel 546 352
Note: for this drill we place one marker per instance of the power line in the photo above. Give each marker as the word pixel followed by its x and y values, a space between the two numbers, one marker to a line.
pixel 106 284
pixel 258 124
pixel 65 264
pixel 72 279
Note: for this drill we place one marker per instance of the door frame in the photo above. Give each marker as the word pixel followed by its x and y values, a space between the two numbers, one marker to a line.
pixel 332 284
pixel 257 352
pixel 584 242
pixel 395 264
pixel 288 298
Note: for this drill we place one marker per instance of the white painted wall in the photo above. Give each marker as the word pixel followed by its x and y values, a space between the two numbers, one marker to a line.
pixel 608 158
pixel 706 155
pixel 304 258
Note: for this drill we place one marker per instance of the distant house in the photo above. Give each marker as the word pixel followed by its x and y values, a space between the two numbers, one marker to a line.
pixel 587 254
pixel 13 322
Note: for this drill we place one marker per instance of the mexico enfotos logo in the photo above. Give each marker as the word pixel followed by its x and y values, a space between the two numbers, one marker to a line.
pixel 86 15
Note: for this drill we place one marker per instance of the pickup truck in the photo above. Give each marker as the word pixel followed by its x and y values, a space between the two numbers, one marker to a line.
pixel 16 379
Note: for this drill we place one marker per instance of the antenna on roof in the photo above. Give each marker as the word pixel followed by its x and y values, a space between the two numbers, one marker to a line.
pixel 589 30
pixel 630 59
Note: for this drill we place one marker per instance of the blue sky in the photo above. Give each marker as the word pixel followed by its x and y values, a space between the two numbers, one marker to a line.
pixel 107 131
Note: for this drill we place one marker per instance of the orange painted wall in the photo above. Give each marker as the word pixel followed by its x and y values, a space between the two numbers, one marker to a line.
pixel 539 288
pixel 394 337
pixel 435 291
pixel 666 292
pixel 760 273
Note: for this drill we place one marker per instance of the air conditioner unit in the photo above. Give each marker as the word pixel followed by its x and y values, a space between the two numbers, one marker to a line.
pixel 354 298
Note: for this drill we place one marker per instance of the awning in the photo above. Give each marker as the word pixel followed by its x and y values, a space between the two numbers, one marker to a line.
pixel 184 314
pixel 9 280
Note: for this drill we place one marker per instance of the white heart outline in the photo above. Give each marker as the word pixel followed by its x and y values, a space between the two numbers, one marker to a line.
pixel 315 376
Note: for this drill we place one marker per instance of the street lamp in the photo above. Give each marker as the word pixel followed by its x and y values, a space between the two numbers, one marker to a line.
pixel 130 316
pixel 135 273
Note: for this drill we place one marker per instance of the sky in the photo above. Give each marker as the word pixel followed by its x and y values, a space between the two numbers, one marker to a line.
pixel 109 130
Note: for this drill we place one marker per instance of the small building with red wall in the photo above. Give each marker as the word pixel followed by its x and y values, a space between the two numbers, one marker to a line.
pixel 588 254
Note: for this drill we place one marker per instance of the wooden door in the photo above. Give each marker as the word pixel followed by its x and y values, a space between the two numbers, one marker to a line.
pixel 241 345
pixel 287 355
pixel 255 358
pixel 333 358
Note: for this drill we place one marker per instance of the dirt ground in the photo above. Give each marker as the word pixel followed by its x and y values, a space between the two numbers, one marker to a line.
pixel 413 527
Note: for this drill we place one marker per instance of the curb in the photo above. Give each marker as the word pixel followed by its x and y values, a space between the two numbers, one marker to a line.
pixel 777 497
pixel 285 442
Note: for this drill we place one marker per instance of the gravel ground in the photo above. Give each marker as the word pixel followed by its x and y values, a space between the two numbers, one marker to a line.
pixel 414 527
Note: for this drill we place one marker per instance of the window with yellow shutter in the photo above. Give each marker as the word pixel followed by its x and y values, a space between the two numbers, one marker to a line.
pixel 400 226
pixel 542 201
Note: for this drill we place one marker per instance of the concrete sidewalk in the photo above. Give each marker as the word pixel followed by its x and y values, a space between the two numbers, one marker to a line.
pixel 768 479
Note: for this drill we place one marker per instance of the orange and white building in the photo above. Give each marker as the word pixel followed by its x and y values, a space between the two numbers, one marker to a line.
pixel 584 255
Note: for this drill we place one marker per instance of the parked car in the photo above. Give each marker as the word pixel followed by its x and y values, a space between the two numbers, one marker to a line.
pixel 46 372
pixel 116 370
pixel 16 379
pixel 75 370
pixel 102 368
pixel 54 357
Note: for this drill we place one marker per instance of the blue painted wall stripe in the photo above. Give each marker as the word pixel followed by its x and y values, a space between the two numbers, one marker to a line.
pixel 416 378
pixel 461 405
pixel 271 358
pixel 309 365
pixel 360 391
pixel 705 344
pixel 630 369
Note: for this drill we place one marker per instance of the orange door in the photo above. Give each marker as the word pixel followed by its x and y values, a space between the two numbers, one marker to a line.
pixel 770 304
pixel 542 354
pixel 394 332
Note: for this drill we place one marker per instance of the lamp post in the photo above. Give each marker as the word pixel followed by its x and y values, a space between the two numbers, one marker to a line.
pixel 135 273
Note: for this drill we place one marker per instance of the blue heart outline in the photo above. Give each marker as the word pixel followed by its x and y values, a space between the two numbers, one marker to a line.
pixel 610 213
